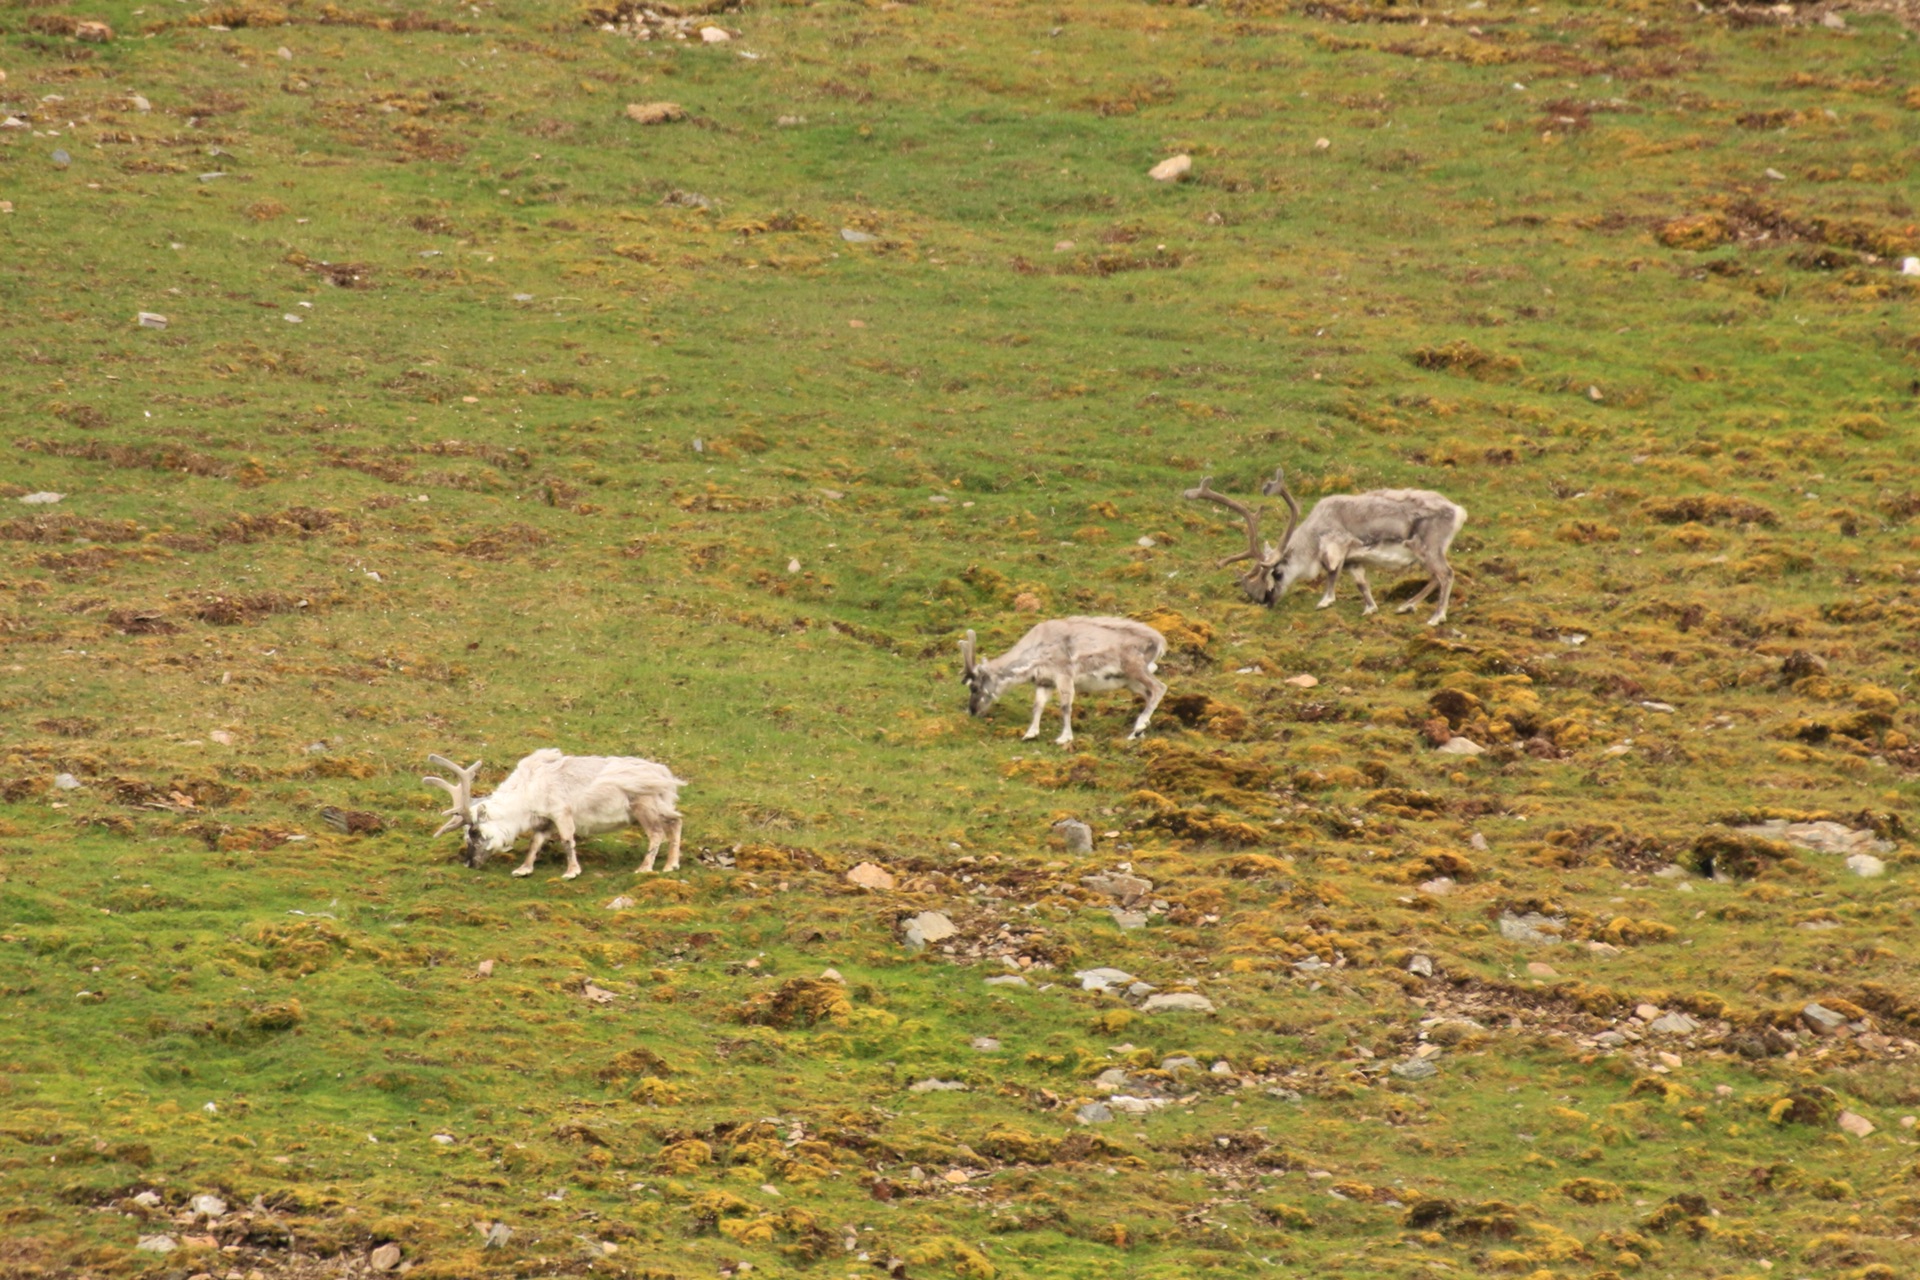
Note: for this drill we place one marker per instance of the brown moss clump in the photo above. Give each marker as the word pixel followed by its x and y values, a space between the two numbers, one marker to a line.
pixel 1198 711
pixel 1740 857
pixel 1464 358
pixel 1589 1190
pixel 683 1157
pixel 637 1061
pixel 798 1002
pixel 1442 862
pixel 1708 508
pixel 1194 822
pixel 1629 932
pixel 1016 1146
pixel 1700 231
pixel 1399 802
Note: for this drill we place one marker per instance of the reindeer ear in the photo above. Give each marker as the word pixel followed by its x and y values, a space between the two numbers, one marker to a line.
pixel 966 653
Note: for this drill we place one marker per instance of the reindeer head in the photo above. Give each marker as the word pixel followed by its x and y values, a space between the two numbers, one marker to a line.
pixel 1273 570
pixel 985 683
pixel 479 840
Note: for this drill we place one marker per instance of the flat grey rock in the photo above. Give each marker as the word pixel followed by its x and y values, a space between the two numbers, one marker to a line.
pixel 1007 980
pixel 1101 979
pixel 928 927
pixel 1177 1001
pixel 1532 929
pixel 1674 1024
pixel 1415 1069
pixel 1094 1113
pixel 1821 837
pixel 1077 835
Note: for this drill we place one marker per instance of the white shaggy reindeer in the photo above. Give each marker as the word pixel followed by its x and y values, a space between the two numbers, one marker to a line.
pixel 551 794
pixel 1382 529
pixel 1069 656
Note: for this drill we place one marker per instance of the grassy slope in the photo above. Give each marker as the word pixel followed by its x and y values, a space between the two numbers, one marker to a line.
pixel 557 564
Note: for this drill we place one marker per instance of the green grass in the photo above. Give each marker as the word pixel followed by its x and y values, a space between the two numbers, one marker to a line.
pixel 531 469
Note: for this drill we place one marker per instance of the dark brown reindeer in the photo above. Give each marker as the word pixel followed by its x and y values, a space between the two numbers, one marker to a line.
pixel 1382 529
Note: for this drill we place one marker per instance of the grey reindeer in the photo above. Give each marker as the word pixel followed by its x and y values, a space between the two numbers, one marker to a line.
pixel 1384 529
pixel 1069 656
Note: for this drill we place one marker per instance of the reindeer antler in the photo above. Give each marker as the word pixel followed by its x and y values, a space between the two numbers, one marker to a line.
pixel 461 793
pixel 1278 486
pixel 966 654
pixel 1205 493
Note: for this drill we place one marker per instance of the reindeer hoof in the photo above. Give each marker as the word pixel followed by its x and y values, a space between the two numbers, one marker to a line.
pixel 1030 736
pixel 644 869
pixel 1324 603
pixel 523 872
pixel 1370 610
pixel 1405 608
pixel 569 875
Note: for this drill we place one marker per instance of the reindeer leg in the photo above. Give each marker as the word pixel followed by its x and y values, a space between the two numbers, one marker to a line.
pixel 1333 580
pixel 1039 705
pixel 1435 559
pixel 1445 579
pixel 1152 690
pixel 655 834
pixel 673 851
pixel 1066 714
pixel 1410 605
pixel 533 851
pixel 565 826
pixel 1366 590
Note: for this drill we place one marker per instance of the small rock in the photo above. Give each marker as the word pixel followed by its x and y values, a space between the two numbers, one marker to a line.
pixel 1138 989
pixel 1865 864
pixel 1117 884
pixel 1415 1069
pixel 157 1244
pixel 1178 1062
pixel 1666 708
pixel 1420 966
pixel 1671 1061
pixel 1907 1122
pixel 1540 970
pixel 1910 266
pixel 1610 1039
pixel 793 566
pixel 853 236
pixel 1221 1068
pixel 1078 837
pixel 484 969
pixel 1302 681
pixel 869 875
pixel 1177 1002
pixel 1007 980
pixel 1101 979
pixel 1437 887
pixel 621 903
pixel 66 782
pixel 1775 175
pixel 832 975
pixel 1533 929
pixel 444 1139
pixel 936 1086
pixel 1477 842
pixel 385 1258
pixel 1833 21
pixel 1821 837
pixel 1172 169
pixel 1646 1012
pixel 1857 1125
pixel 42 499
pixel 1128 920
pixel 497 1236
pixel 1458 746
pixel 789 122
pixel 1603 949
pixel 655 112
pixel 1321 144
pixel 986 1044
pixel 1110 1079
pixel 93 32
pixel 148 1200
pixel 928 927
pixel 714 35
pixel 1026 602
pixel 1674 1024
pixel 1094 1113
pixel 1130 1105
pixel 1063 246
pixel 151 320
pixel 598 995
pixel 1822 1020
pixel 208 1206
pixel 139 103
pixel 283 53
pixel 1455 1031
pixel 222 736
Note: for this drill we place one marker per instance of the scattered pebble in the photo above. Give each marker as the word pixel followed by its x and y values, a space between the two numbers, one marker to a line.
pixel 1077 835
pixel 1094 1113
pixel 928 926
pixel 1102 979
pixel 1539 970
pixel 1177 1002
pixel 1420 966
pixel 66 782
pixel 986 1044
pixel 854 236
pixel 621 903
pixel 157 1244
pixel 385 1258
pixel 1865 864
pixel 1302 681
pixel 869 875
pixel 1857 1125
pixel 936 1086
pixel 151 320
pixel 208 1206
pixel 1458 746
pixel 1006 980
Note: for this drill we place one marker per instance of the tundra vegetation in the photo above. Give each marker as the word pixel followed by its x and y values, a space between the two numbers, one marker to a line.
pixel 488 416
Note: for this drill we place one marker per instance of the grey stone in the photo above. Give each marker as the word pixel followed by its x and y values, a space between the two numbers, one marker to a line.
pixel 148 1200
pixel 1128 889
pixel 986 1044
pixel 1078 836
pixel 209 1206
pixel 1007 980
pixel 1101 979
pixel 1112 1078
pixel 1415 1069
pixel 1821 837
pixel 1478 842
pixel 927 927
pixel 66 782
pixel 1533 929
pixel 1865 864
pixel 157 1244
pixel 1178 1001
pixel 1420 966
pixel 1138 989
pixel 44 498
pixel 497 1236
pixel 1221 1068
pixel 1128 920
pixel 1821 1019
pixel 1457 746
pixel 1177 1062
pixel 856 237
pixel 1674 1024
pixel 936 1086
pixel 1130 1105
pixel 869 875
pixel 385 1258
pixel 1611 1039
pixel 1094 1113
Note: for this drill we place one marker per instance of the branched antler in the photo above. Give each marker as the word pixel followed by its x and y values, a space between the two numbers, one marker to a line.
pixel 1257 581
pixel 1205 493
pixel 461 793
